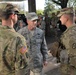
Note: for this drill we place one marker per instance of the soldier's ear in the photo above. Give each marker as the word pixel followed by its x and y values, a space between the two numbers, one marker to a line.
pixel 12 16
pixel 66 17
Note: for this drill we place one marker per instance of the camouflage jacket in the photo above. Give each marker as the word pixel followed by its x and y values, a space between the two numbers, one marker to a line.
pixel 13 51
pixel 68 39
pixel 37 47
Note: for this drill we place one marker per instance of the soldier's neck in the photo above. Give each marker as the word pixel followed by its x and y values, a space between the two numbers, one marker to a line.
pixel 69 24
pixel 7 23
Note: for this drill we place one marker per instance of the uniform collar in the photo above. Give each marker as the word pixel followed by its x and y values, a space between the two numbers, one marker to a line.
pixel 8 27
pixel 70 28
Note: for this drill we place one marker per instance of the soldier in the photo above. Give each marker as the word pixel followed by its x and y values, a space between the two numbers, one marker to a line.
pixel 13 47
pixel 36 44
pixel 42 25
pixel 68 39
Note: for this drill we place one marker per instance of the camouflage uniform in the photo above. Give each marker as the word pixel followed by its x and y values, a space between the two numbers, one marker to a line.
pixel 69 41
pixel 13 52
pixel 42 23
pixel 37 48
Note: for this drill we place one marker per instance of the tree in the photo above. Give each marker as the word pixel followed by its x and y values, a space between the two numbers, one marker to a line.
pixel 49 7
pixel 62 3
pixel 32 5
pixel 39 12
pixel 72 3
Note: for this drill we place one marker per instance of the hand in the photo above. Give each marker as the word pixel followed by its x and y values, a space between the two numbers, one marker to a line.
pixel 45 63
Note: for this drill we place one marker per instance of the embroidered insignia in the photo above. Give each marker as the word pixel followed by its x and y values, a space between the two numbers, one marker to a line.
pixel 23 50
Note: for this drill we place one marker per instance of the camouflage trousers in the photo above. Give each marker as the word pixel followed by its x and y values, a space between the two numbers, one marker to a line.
pixel 67 69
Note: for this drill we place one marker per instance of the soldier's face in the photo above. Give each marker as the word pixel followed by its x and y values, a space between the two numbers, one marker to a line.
pixel 14 18
pixel 32 24
pixel 63 19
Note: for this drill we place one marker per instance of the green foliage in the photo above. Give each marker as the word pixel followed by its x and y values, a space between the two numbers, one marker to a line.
pixel 49 7
pixel 54 5
pixel 61 3
pixel 72 3
pixel 39 12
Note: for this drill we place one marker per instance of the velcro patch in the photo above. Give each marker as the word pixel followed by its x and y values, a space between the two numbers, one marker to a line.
pixel 23 50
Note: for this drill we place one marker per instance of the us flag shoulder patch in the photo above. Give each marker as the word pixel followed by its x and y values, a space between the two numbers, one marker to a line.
pixel 23 50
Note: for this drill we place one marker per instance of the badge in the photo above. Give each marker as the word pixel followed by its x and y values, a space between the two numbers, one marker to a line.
pixel 23 50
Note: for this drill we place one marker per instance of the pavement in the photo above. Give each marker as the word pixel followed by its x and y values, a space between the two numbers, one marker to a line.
pixel 53 67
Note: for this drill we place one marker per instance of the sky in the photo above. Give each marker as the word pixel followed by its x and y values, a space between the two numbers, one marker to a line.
pixel 39 4
pixel 24 4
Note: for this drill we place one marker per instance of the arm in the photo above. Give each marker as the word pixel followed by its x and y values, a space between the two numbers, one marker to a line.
pixel 44 50
pixel 21 59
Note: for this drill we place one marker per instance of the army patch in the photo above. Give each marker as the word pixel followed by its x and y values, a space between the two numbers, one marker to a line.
pixel 74 45
pixel 23 50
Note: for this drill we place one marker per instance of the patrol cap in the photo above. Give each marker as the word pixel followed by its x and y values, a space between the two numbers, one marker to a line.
pixel 65 11
pixel 7 10
pixel 32 16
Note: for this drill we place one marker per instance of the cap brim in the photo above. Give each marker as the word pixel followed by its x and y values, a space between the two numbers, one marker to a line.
pixel 34 18
pixel 60 14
